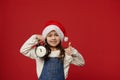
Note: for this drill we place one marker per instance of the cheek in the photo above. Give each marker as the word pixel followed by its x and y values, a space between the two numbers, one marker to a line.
pixel 58 38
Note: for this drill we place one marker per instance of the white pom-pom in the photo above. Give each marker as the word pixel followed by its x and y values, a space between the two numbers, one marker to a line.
pixel 65 39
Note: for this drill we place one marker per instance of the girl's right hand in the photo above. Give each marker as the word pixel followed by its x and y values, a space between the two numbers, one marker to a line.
pixel 39 37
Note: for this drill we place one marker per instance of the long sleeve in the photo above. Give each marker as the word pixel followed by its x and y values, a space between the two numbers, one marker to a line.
pixel 77 58
pixel 27 48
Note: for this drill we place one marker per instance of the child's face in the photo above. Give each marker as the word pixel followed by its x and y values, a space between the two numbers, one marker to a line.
pixel 53 39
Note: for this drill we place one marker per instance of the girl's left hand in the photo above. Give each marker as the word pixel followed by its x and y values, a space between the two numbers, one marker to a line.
pixel 69 49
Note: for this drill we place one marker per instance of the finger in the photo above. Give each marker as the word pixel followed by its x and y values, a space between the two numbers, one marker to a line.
pixel 41 37
pixel 69 45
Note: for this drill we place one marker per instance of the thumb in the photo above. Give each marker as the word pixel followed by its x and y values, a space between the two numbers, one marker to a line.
pixel 69 44
pixel 69 49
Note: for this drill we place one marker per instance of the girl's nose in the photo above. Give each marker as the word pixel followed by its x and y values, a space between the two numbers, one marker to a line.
pixel 53 37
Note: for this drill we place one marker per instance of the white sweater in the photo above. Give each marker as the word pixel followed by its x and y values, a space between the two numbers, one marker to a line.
pixel 28 50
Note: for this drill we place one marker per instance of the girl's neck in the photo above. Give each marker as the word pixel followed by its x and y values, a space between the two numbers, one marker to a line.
pixel 53 48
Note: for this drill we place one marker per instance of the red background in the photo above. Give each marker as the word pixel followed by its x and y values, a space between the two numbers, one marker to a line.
pixel 92 27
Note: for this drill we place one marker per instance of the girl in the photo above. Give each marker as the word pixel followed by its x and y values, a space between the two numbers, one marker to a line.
pixel 55 64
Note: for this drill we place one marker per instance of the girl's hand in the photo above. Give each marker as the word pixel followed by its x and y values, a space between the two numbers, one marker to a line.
pixel 39 37
pixel 69 49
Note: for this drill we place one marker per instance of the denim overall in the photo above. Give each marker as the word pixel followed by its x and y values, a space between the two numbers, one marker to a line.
pixel 53 69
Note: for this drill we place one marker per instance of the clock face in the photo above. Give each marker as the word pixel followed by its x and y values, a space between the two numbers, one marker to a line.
pixel 41 51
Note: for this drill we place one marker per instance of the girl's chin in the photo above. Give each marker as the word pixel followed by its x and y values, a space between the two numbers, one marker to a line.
pixel 53 45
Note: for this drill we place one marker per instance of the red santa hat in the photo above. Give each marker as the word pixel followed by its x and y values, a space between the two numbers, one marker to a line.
pixel 59 28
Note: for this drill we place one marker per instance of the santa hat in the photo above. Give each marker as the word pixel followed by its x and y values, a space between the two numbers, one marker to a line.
pixel 54 25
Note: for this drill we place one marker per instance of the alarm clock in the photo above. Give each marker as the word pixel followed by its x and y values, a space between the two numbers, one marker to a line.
pixel 40 51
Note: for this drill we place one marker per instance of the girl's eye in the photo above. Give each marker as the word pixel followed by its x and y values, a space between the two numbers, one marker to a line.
pixel 56 35
pixel 49 35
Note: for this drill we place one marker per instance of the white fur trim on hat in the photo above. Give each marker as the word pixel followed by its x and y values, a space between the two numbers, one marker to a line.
pixel 49 28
